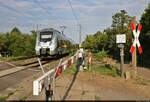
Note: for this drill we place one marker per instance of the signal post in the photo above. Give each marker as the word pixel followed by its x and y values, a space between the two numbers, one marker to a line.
pixel 136 41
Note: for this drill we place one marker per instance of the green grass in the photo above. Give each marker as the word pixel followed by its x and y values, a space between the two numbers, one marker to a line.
pixel 97 97
pixel 105 70
pixel 83 92
pixel 71 69
pixel 23 98
pixel 72 53
pixel 99 56
pixel 3 98
pixel 8 58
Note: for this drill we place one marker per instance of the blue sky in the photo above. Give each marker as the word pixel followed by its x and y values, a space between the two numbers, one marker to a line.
pixel 93 15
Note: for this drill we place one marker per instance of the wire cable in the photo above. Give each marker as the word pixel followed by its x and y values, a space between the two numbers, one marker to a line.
pixel 48 11
pixel 73 12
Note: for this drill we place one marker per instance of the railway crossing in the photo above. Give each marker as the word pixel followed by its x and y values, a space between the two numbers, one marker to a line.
pixel 47 80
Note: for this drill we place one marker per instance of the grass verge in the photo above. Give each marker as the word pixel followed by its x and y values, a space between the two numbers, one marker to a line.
pixel 106 71
pixel 3 98
pixel 97 97
pixel 8 58
pixel 23 98
pixel 71 69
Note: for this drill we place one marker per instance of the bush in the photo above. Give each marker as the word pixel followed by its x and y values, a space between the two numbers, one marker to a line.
pixel 72 52
pixel 100 55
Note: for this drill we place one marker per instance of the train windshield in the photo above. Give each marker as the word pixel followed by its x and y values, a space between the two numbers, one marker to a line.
pixel 46 36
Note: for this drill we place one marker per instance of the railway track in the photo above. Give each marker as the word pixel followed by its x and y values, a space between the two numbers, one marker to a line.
pixel 17 73
pixel 16 67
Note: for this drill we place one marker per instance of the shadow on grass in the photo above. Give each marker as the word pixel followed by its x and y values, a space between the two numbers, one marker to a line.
pixel 73 80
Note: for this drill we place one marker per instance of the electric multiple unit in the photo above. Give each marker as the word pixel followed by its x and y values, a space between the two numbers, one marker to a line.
pixel 51 42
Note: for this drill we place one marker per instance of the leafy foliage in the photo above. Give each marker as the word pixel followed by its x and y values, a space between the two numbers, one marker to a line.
pixel 95 42
pixel 17 43
pixel 145 37
pixel 100 55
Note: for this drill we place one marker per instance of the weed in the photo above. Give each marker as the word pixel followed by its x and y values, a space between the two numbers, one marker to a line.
pixel 10 93
pixel 71 70
pixel 104 70
pixel 100 55
pixel 3 98
pixel 72 53
pixel 23 98
pixel 97 97
pixel 143 83
pixel 83 92
pixel 8 58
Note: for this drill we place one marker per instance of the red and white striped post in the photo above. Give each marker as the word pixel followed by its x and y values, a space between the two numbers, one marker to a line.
pixel 90 60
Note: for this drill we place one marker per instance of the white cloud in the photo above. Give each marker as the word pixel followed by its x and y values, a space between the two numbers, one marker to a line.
pixel 94 15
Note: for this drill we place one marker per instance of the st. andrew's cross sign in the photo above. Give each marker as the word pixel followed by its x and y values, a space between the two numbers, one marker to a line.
pixel 136 40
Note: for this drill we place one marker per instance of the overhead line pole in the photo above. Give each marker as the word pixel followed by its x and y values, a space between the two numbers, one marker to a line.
pixel 37 28
pixel 79 33
pixel 48 12
pixel 78 24
pixel 73 12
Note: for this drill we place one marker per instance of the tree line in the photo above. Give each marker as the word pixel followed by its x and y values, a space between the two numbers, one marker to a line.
pixel 17 43
pixel 121 25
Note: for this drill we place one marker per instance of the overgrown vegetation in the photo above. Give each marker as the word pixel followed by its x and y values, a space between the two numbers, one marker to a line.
pixel 8 58
pixel 23 98
pixel 72 52
pixel 84 91
pixel 97 97
pixel 105 70
pixel 71 70
pixel 100 55
pixel 142 81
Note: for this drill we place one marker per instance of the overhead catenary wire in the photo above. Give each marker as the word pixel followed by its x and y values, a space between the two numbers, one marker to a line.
pixel 73 12
pixel 60 21
pixel 58 18
pixel 19 12
pixel 77 21
pixel 48 11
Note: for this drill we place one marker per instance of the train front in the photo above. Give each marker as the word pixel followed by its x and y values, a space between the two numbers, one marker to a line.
pixel 44 43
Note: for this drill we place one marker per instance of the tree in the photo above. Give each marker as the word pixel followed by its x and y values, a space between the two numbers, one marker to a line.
pixel 145 37
pixel 120 25
pixel 17 43
pixel 89 42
